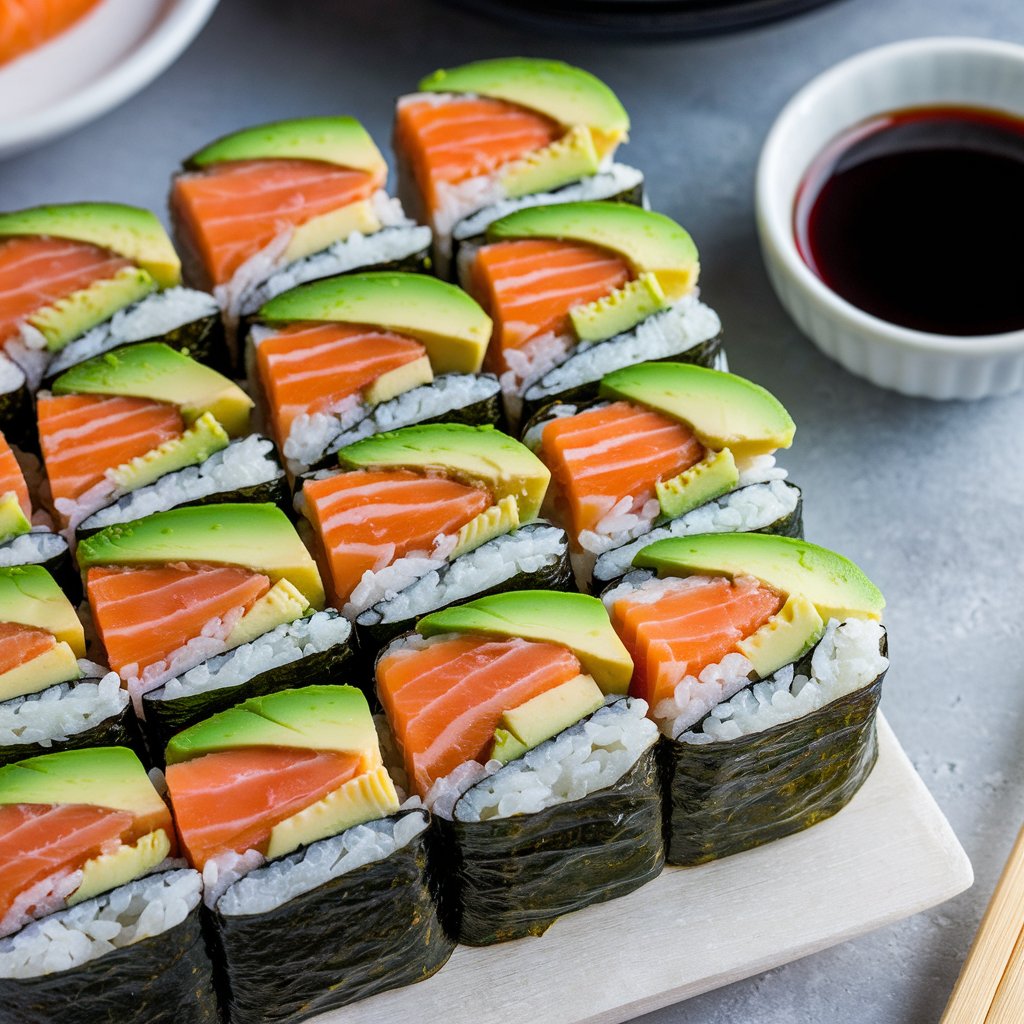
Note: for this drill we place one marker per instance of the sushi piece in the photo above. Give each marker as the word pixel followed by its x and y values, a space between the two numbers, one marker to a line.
pixel 316 878
pixel 27 24
pixel 144 429
pixel 94 912
pixel 271 207
pixel 423 517
pixel 79 279
pixel 578 290
pixel 339 360
pixel 170 592
pixel 512 721
pixel 479 141
pixel 668 449
pixel 761 658
pixel 25 535
pixel 51 697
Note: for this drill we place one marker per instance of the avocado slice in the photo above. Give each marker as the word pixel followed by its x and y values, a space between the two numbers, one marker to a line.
pixel 129 231
pixel 572 620
pixel 71 317
pixel 451 326
pixel 281 604
pixel 30 596
pixel 716 474
pixel 481 456
pixel 256 537
pixel 785 637
pixel 546 715
pixel 57 665
pixel 321 232
pixel 570 158
pixel 619 311
pixel 495 521
pixel 722 410
pixel 196 445
pixel 110 870
pixel 335 718
pixel 832 583
pixel 102 776
pixel 399 380
pixel 566 94
pixel 156 371
pixel 649 242
pixel 334 140
pixel 13 521
pixel 365 798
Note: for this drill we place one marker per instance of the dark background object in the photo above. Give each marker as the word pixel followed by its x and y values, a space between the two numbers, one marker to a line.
pixel 638 19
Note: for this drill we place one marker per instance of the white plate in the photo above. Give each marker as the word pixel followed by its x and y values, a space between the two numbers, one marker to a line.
pixel 113 52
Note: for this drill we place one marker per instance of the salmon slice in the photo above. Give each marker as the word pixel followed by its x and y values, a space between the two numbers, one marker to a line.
pixel 234 210
pixel 231 800
pixel 687 629
pixel 600 456
pixel 450 141
pixel 84 436
pixel 529 285
pixel 367 519
pixel 144 615
pixel 19 644
pixel 445 700
pixel 36 272
pixel 26 24
pixel 12 480
pixel 310 368
pixel 42 841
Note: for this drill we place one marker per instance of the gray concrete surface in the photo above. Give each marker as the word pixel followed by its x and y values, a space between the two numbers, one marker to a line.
pixel 928 498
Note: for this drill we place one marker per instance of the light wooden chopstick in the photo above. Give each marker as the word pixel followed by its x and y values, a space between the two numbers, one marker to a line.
pixel 990 989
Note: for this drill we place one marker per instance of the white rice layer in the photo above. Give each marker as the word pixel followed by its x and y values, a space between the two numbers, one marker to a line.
pixel 12 376
pixel 283 645
pixel 154 316
pixel 678 329
pixel 247 462
pixel 526 550
pixel 272 885
pixel 61 711
pixel 744 510
pixel 32 548
pixel 583 759
pixel 139 910
pixel 847 658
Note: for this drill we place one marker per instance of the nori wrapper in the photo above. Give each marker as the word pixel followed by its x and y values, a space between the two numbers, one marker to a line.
pixel 17 417
pixel 165 718
pixel 374 633
pixel 507 878
pixel 726 797
pixel 165 979
pixel 373 929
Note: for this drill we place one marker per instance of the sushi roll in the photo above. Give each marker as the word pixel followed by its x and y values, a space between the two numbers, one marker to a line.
pixel 427 516
pixel 25 536
pixel 179 589
pixel 96 917
pixel 341 359
pixel 761 658
pixel 511 717
pixel 315 876
pixel 271 207
pixel 51 697
pixel 479 141
pixel 144 429
pixel 80 279
pixel 667 450
pixel 578 290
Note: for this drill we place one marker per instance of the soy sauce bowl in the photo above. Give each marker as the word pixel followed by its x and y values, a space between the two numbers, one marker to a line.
pixel 917 73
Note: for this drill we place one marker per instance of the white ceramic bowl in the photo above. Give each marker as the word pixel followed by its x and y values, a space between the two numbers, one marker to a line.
pixel 920 72
pixel 113 52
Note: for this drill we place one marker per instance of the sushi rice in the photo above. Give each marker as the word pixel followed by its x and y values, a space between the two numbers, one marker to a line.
pixel 149 906
pixel 35 548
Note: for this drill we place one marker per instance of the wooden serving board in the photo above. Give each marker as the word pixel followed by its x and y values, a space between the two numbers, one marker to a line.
pixel 889 854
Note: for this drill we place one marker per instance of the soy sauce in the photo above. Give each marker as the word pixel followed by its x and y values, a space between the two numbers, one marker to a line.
pixel 917 216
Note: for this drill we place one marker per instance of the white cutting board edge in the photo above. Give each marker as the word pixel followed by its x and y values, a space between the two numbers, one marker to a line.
pixel 889 854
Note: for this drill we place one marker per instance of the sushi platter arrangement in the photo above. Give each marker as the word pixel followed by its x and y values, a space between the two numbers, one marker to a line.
pixel 384 578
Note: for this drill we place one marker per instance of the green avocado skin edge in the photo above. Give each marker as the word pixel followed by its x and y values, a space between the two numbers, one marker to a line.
pixel 725 798
pixel 367 931
pixel 511 877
